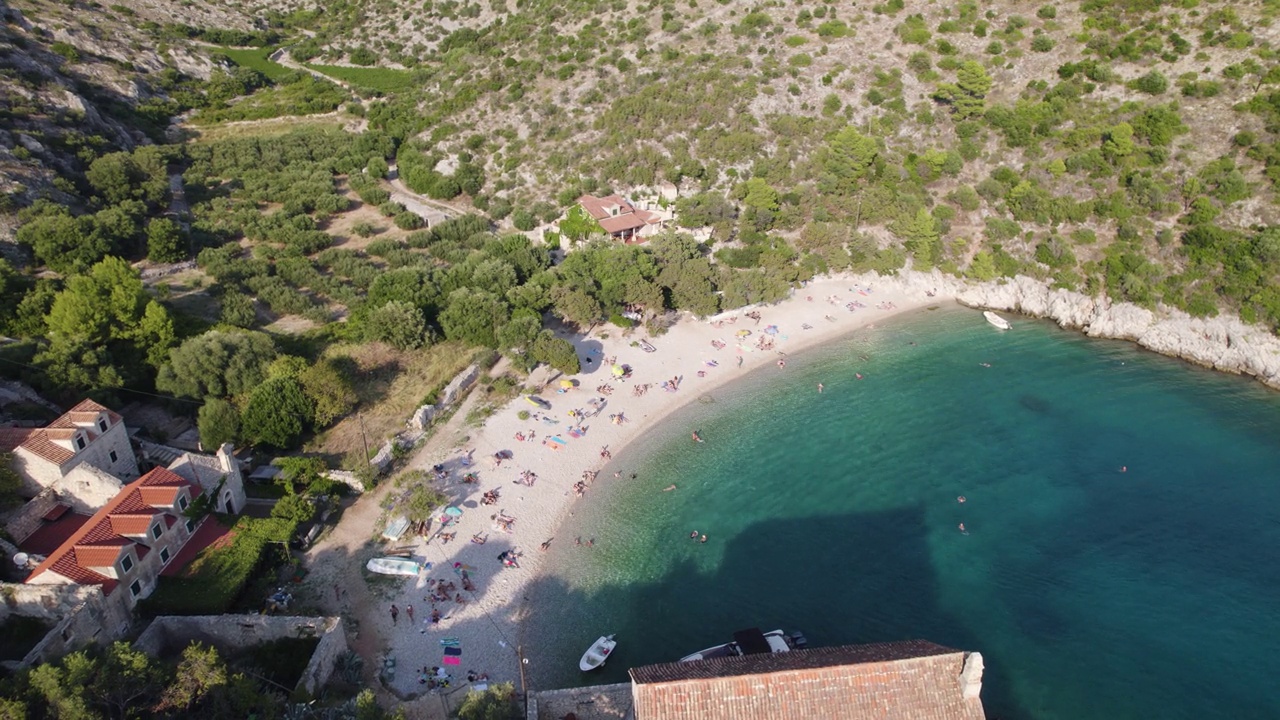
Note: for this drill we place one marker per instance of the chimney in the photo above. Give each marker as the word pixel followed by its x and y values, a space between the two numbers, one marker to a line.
pixel 971 676
pixel 227 458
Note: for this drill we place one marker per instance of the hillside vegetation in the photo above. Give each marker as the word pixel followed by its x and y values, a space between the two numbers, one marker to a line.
pixel 1115 147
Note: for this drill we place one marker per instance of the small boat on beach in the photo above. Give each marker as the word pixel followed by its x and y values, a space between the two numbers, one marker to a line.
pixel 595 655
pixel 751 642
pixel 396 566
pixel 996 320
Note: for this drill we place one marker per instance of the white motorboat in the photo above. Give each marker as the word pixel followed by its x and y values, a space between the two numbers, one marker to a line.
pixel 595 655
pixel 751 642
pixel 396 566
pixel 996 320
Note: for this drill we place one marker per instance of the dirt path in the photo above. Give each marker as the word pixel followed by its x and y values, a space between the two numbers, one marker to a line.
pixel 336 578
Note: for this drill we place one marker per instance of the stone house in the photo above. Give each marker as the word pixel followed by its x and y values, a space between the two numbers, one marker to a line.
pixel 123 547
pixel 622 220
pixel 77 615
pixel 85 454
pixel 219 473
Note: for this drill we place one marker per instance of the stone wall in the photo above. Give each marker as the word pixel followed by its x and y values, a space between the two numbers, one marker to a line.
pixel 28 518
pixel 421 417
pixel 170 634
pixel 79 614
pixel 597 702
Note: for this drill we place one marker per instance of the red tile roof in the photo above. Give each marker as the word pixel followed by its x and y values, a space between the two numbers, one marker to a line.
pixel 622 223
pixel 914 680
pixel 12 437
pixel 46 538
pixel 41 442
pixel 99 542
pixel 602 207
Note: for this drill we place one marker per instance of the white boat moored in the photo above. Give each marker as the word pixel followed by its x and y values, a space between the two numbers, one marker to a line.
pixel 395 566
pixel 996 320
pixel 595 655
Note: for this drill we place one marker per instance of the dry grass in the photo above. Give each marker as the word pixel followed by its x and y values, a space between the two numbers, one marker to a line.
pixel 391 385
pixel 269 127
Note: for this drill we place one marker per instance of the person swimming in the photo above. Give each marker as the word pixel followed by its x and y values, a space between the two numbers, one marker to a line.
pixel 966 532
pixel 960 499
pixel 702 539
pixel 696 436
pixel 669 488
pixel 693 535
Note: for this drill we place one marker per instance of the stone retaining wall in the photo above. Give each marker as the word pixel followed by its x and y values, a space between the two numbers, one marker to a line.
pixel 170 634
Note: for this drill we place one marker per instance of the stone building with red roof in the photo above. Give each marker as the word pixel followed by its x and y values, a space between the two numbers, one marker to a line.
pixel 84 454
pixel 124 546
pixel 620 219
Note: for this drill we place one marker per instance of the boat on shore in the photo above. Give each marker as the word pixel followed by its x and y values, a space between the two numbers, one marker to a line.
pixel 596 655
pixel 751 642
pixel 996 320
pixel 396 566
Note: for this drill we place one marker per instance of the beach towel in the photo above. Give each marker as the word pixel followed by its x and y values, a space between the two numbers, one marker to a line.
pixel 453 650
pixel 450 642
pixel 452 660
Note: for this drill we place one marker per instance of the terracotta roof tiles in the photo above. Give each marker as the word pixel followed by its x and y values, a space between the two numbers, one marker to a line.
pixel 99 542
pixel 81 417
pixel 914 680
pixel 12 437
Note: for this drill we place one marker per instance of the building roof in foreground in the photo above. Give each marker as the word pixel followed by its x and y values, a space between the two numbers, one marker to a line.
pixel 117 526
pixel 911 680
pixel 46 442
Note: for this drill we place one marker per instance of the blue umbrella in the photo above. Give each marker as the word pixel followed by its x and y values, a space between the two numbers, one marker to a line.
pixel 454 511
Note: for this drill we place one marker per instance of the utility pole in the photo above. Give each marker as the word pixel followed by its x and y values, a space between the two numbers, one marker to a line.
pixel 368 460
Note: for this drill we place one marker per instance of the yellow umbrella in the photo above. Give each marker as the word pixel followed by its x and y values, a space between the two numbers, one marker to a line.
pixel 567 384
pixel 618 371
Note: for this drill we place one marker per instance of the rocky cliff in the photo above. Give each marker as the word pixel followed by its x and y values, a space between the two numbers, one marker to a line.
pixel 1222 343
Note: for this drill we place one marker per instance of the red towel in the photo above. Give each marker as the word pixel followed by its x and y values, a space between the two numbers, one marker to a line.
pixel 451 660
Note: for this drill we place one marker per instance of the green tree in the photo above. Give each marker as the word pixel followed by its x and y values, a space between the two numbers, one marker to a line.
pixel 983 267
pixel 296 508
pixel 277 413
pixel 328 385
pixel 164 241
pixel 1118 143
pixel 200 672
pixel 556 352
pixel 921 236
pixel 218 363
pixel 967 95
pixel 398 324
pixel 65 244
pixel 473 316
pixel 848 158
pixel 420 503
pixel 218 422
pixel 758 194
pixel 496 703
pixel 578 225
pixel 237 309
pixel 121 176
pixel 576 306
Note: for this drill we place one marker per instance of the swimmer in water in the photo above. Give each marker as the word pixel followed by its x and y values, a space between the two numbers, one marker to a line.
pixel 819 388
pixel 966 532
pixel 858 375
pixel 696 436
pixel 669 488
pixel 960 499
pixel 693 535
pixel 1124 468
pixel 985 364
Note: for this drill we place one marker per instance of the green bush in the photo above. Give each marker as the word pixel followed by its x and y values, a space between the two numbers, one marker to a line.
pixel 214 580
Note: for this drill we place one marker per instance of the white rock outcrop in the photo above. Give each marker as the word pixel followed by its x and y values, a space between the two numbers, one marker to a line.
pixel 1223 343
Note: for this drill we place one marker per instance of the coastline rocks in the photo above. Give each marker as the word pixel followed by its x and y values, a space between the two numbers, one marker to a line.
pixel 1223 343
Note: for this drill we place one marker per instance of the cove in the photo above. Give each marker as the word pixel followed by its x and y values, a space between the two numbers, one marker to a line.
pixel 1091 591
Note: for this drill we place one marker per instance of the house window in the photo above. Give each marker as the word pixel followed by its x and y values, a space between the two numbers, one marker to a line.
pixel 190 524
pixel 127 563
pixel 113 455
pixel 156 531
pixel 136 588
pixel 102 424
pixel 80 442
pixel 183 503
pixel 164 555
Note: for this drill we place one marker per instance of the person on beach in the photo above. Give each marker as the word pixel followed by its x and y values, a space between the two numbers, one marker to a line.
pixel 782 363
pixel 395 615
pixel 409 609
pixel 546 544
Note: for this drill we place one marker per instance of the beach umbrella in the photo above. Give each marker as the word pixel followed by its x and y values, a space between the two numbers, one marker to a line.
pixel 454 511
pixel 771 330
pixel 568 384
pixel 743 333
pixel 618 371
pixel 536 401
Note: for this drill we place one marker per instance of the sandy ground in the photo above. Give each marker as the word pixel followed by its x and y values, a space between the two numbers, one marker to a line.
pixel 486 625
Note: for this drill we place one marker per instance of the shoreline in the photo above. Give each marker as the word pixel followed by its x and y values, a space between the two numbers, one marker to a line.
pixel 490 623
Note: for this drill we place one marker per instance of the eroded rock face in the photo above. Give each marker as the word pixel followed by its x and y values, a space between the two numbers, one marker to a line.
pixel 1223 343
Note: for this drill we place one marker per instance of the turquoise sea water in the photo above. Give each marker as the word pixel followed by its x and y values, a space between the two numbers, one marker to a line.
pixel 1091 592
